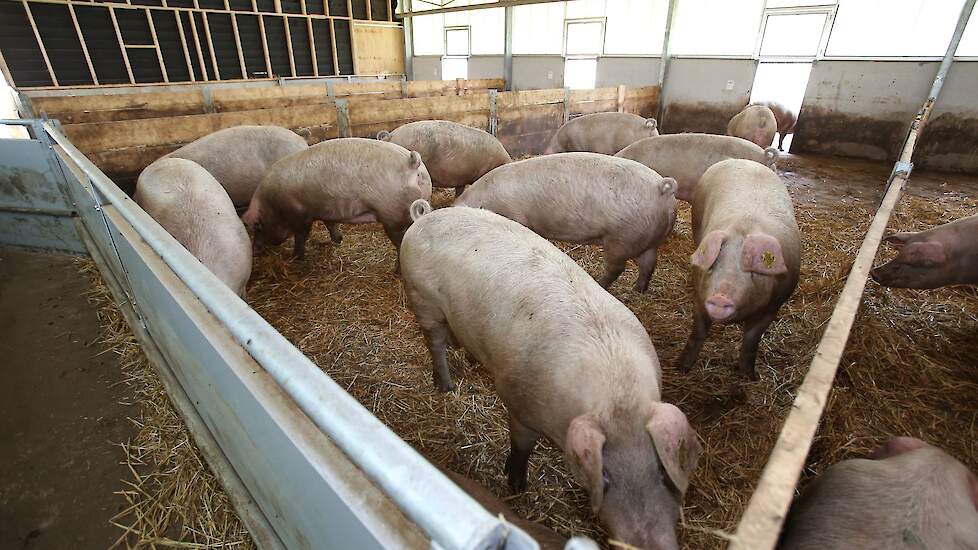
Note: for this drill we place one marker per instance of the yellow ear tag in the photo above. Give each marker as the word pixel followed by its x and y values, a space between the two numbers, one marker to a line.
pixel 768 259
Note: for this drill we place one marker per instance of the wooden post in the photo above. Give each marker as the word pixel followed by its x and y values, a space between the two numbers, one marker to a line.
pixel 81 39
pixel 200 51
pixel 205 91
pixel 183 44
pixel 122 44
pixel 332 41
pixel 404 88
pixel 156 44
pixel 459 86
pixel 288 44
pixel 312 44
pixel 264 43
pixel 343 117
pixel 210 44
pixel 621 98
pixel 237 45
pixel 493 119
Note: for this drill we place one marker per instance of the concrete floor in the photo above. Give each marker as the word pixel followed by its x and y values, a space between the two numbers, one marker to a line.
pixel 59 410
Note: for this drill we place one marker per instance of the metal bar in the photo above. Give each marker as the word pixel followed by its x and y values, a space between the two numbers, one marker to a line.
pixel 567 102
pixel 664 61
pixel 343 117
pixel 81 39
pixel 156 44
pixel 237 45
pixel 53 212
pixel 200 52
pixel 353 41
pixel 473 7
pixel 40 43
pixel 264 45
pixel 493 118
pixel 446 513
pixel 183 44
pixel 210 46
pixel 761 523
pixel 508 48
pixel 408 42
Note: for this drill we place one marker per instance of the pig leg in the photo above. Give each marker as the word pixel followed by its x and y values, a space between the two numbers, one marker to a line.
pixel 646 266
pixel 614 263
pixel 395 235
pixel 299 248
pixel 753 330
pixel 780 141
pixel 522 440
pixel 335 234
pixel 701 326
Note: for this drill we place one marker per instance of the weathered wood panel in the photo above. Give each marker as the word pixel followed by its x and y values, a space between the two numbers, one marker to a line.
pixel 71 109
pixel 421 108
pixel 379 49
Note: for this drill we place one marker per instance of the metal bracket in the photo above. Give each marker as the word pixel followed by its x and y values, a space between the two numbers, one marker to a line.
pixel 330 92
pixel 343 117
pixel 493 119
pixel 404 88
pixel 208 100
pixel 567 93
pixel 902 169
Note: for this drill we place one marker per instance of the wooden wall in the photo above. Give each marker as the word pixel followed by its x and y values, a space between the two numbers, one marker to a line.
pixel 122 134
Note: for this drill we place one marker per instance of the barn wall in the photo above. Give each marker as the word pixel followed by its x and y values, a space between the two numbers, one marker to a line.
pixel 537 72
pixel 864 108
pixel 630 71
pixel 486 66
pixel 695 95
pixel 427 67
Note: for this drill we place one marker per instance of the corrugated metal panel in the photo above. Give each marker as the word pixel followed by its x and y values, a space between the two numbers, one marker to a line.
pixel 222 36
pixel 324 46
pixel 344 52
pixel 20 49
pixel 299 32
pixel 103 45
pixel 169 37
pixel 61 42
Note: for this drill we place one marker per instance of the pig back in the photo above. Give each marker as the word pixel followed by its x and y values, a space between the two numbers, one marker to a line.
pixel 605 133
pixel 918 499
pixel 354 175
pixel 531 316
pixel 196 210
pixel 579 197
pixel 454 154
pixel 239 157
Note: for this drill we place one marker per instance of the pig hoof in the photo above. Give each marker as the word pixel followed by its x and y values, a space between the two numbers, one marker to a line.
pixel 748 373
pixel 444 387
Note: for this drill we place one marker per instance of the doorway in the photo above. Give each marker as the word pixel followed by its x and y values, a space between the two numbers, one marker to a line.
pixel 583 43
pixel 789 41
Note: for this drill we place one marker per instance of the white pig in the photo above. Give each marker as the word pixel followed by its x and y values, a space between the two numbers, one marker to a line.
pixel 755 123
pixel 605 133
pixel 748 255
pixel 585 198
pixel 570 362
pixel 345 180
pixel 686 157
pixel 192 206
pixel 908 496
pixel 787 119
pixel 454 154
pixel 940 256
pixel 239 157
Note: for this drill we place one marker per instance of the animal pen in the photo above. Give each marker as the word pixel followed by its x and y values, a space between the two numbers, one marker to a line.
pixel 311 401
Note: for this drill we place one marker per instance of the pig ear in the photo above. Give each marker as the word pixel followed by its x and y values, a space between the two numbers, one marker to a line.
pixel 897 240
pixel 667 186
pixel 924 254
pixel 675 443
pixel 250 216
pixel 383 135
pixel 762 254
pixel 415 160
pixel 897 446
pixel 651 124
pixel 709 249
pixel 585 442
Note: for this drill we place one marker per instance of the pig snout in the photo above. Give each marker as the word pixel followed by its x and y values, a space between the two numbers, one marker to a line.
pixel 720 308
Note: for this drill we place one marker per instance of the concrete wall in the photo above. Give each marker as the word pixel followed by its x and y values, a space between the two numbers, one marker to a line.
pixel 536 72
pixel 695 95
pixel 630 71
pixel 950 141
pixel 486 66
pixel 427 67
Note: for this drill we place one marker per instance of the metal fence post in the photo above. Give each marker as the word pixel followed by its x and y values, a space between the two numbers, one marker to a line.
pixel 493 120
pixel 567 92
pixel 208 100
pixel 343 117
pixel 329 89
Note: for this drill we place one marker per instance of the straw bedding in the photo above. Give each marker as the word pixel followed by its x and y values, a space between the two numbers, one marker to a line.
pixel 909 369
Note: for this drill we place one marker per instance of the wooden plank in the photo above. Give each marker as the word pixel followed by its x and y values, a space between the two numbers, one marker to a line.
pixel 379 48
pixel 156 45
pixel 386 89
pixel 264 43
pixel 246 99
pixel 509 100
pixel 332 42
pixel 210 46
pixel 588 107
pixel 369 130
pixel 312 42
pixel 597 94
pixel 104 108
pixel 103 136
pixel 237 46
pixel 200 51
pixel 417 108
pixel 288 44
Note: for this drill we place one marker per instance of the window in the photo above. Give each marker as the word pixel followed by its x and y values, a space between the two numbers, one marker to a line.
pixel 455 64
pixel 793 35
pixel 580 74
pixel 538 29
pixel 867 27
pixel 584 42
pixel 716 27
pixel 486 29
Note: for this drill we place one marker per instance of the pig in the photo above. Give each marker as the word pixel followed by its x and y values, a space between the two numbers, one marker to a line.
pixel 454 154
pixel 756 124
pixel 569 361
pixel 239 157
pixel 605 133
pixel 686 156
pixel 585 198
pixel 787 119
pixel 748 255
pixel 548 539
pixel 940 256
pixel 907 496
pixel 345 180
pixel 192 206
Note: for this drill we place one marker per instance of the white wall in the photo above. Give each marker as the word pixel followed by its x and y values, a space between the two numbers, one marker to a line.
pixel 486 66
pixel 630 71
pixel 427 67
pixel 534 72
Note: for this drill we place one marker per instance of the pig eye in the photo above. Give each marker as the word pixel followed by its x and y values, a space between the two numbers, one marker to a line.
pixel 606 479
